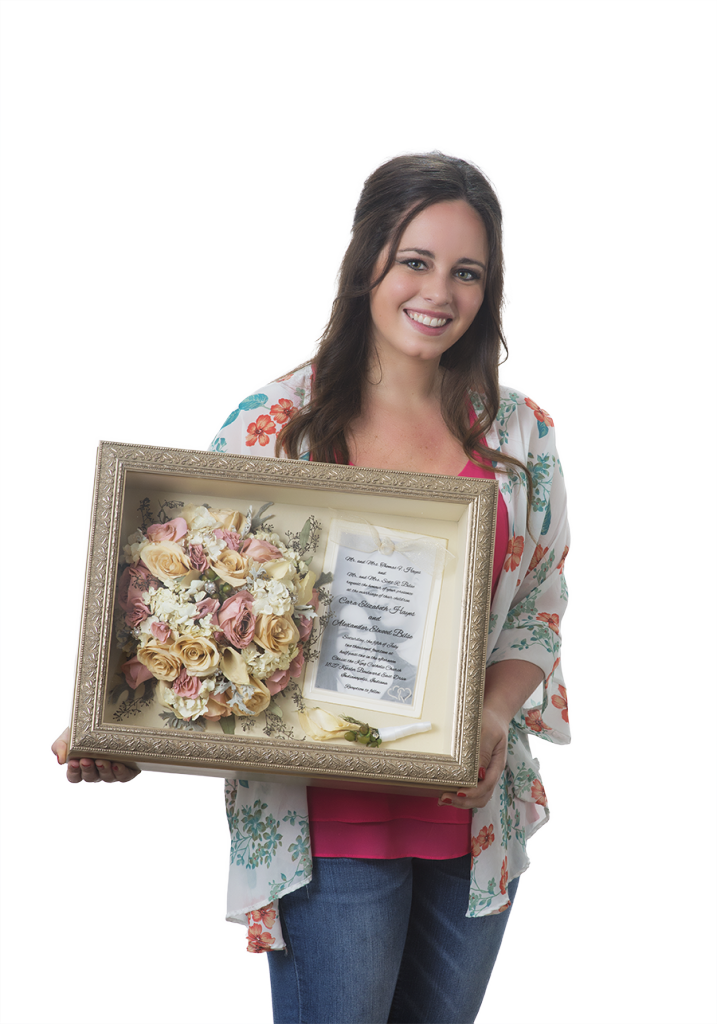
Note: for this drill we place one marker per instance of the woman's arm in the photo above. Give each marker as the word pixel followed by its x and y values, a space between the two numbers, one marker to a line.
pixel 508 685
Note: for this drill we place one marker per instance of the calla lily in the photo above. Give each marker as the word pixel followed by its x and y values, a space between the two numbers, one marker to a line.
pixel 322 725
pixel 305 588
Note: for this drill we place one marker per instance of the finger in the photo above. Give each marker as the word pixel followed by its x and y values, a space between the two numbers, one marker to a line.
pixel 123 772
pixel 88 769
pixel 104 770
pixel 465 799
pixel 74 772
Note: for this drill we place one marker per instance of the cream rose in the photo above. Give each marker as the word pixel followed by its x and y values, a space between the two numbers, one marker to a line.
pixel 227 519
pixel 161 660
pixel 322 725
pixel 232 567
pixel 167 561
pixel 199 656
pixel 275 633
pixel 280 569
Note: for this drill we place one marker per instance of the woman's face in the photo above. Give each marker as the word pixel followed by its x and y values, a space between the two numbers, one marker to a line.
pixel 436 286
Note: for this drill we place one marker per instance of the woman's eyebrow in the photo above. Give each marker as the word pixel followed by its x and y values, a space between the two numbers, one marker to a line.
pixel 427 252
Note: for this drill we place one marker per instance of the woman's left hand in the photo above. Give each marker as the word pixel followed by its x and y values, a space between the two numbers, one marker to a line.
pixel 493 752
pixel 508 684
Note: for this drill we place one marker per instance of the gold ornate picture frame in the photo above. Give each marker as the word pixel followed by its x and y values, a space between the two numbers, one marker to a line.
pixel 458 513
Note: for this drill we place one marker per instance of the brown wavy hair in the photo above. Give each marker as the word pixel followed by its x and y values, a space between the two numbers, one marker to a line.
pixel 391 197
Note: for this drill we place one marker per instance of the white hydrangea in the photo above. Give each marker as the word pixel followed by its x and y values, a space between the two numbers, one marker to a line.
pixel 196 590
pixel 213 547
pixel 136 543
pixel 264 663
pixel 171 607
pixel 190 707
pixel 271 597
pixel 204 627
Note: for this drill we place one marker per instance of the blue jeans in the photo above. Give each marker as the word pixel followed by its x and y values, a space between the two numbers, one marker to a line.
pixel 383 942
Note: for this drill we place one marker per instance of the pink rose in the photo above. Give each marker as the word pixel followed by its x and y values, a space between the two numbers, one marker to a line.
pixel 161 631
pixel 135 577
pixel 208 606
pixel 231 538
pixel 197 558
pixel 135 673
pixel 276 682
pixel 260 550
pixel 174 530
pixel 185 685
pixel 236 619
pixel 137 610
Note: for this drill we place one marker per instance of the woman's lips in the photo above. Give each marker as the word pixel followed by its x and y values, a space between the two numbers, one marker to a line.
pixel 425 328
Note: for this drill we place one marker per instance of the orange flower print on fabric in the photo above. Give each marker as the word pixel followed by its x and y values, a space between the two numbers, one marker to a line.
pixel 561 563
pixel 258 940
pixel 481 842
pixel 504 875
pixel 553 621
pixel 540 414
pixel 283 411
pixel 560 701
pixel 267 915
pixel 537 791
pixel 534 721
pixel 514 553
pixel 538 556
pixel 260 431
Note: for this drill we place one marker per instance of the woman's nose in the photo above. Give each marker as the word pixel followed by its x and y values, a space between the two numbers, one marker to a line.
pixel 436 289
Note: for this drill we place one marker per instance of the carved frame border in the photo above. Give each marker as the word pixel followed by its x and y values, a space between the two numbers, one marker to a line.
pixel 238 755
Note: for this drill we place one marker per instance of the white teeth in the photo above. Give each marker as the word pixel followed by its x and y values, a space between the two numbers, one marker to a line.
pixel 427 320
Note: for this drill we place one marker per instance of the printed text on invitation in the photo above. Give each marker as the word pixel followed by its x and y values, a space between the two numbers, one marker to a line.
pixel 376 645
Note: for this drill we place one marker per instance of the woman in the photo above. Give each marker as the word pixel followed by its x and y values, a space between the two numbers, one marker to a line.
pixel 399 914
pixel 406 377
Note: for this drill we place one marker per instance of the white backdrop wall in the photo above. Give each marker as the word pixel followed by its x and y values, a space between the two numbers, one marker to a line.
pixel 178 181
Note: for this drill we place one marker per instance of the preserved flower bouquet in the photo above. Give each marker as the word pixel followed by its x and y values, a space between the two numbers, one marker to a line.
pixel 214 614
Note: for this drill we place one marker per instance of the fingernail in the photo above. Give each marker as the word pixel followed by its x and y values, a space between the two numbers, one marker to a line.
pixel 460 794
pixel 446 800
pixel 115 767
pixel 481 774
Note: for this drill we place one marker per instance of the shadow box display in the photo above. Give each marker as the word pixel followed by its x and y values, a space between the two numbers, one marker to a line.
pixel 276 618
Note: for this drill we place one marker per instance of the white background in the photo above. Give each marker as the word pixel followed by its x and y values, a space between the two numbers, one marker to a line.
pixel 178 181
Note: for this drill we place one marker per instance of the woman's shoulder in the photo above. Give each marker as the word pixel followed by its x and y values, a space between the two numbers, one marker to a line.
pixel 259 416
pixel 514 405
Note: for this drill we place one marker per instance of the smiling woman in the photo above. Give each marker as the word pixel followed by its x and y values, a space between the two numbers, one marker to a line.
pixel 393 908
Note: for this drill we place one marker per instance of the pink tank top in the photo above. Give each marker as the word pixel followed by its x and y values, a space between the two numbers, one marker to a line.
pixel 347 823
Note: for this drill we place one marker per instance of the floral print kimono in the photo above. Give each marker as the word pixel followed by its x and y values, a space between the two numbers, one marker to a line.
pixel 270 847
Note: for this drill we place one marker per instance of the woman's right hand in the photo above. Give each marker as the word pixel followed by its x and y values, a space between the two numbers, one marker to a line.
pixel 87 769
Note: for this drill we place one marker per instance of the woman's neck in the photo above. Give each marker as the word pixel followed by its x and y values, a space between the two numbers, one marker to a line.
pixel 402 383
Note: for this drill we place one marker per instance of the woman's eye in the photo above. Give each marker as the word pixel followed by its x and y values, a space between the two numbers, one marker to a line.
pixel 468 275
pixel 414 264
